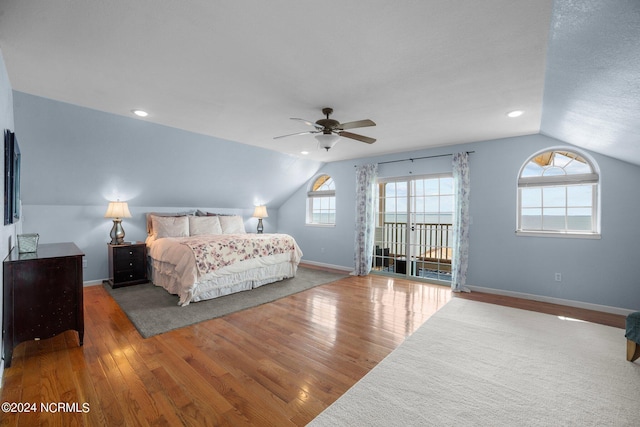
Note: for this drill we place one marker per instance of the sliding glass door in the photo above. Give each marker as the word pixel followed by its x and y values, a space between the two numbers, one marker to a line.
pixel 414 231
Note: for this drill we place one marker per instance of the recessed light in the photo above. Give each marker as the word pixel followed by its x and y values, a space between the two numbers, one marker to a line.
pixel 515 113
pixel 304 152
pixel 140 113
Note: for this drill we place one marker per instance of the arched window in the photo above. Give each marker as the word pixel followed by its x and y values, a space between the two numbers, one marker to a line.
pixel 558 194
pixel 321 205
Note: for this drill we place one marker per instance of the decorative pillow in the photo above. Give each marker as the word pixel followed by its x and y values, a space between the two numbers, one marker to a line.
pixel 152 214
pixel 204 225
pixel 170 226
pixel 232 224
pixel 203 213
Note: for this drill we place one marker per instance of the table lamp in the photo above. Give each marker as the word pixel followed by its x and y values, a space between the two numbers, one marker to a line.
pixel 117 211
pixel 260 212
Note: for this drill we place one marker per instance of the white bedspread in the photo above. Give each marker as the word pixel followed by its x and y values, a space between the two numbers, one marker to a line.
pixel 175 267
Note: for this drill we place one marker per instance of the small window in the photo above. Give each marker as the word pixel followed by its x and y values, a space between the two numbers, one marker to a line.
pixel 321 205
pixel 558 195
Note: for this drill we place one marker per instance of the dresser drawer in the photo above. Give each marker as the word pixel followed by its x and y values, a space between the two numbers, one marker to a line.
pixel 131 274
pixel 127 258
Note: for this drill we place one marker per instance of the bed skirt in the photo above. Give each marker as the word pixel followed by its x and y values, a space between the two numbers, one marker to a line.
pixel 161 275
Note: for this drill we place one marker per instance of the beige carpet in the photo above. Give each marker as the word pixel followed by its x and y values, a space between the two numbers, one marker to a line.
pixel 477 364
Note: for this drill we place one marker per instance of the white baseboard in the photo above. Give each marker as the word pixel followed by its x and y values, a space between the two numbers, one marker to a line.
pixel 92 282
pixel 552 300
pixel 331 266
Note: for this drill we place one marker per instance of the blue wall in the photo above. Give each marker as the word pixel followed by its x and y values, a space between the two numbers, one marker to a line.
pixel 7 236
pixel 600 272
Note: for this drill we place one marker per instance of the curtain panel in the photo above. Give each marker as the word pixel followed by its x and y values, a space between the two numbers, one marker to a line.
pixel 365 218
pixel 460 222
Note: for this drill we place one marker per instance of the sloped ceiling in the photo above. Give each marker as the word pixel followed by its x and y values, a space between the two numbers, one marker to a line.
pixel 429 73
pixel 592 82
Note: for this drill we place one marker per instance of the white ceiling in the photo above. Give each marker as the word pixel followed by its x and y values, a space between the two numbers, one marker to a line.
pixel 429 73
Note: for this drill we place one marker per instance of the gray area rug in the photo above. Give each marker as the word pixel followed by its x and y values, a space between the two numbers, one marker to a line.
pixel 478 364
pixel 154 311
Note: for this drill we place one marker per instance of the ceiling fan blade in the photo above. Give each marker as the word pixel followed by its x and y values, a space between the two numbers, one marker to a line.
pixel 357 137
pixel 307 122
pixel 299 133
pixel 356 124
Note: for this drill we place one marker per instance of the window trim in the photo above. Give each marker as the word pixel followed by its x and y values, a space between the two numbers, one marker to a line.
pixel 565 181
pixel 317 194
pixel 564 234
pixel 558 180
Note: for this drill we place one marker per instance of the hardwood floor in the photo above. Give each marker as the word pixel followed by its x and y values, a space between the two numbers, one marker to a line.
pixel 615 320
pixel 278 364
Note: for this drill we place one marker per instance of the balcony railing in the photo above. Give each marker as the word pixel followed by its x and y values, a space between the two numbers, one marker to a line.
pixel 431 245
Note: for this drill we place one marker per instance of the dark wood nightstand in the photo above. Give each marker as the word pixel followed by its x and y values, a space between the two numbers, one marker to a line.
pixel 127 264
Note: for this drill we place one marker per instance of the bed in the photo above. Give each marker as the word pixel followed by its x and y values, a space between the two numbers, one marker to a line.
pixel 200 257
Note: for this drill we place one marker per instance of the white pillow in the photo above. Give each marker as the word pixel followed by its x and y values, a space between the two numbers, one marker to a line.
pixel 150 216
pixel 204 225
pixel 232 224
pixel 170 226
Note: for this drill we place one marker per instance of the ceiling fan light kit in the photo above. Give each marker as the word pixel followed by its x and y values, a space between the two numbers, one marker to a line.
pixel 327 140
pixel 329 130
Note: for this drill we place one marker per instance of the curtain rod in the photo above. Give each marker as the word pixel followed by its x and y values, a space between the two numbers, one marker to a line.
pixel 419 158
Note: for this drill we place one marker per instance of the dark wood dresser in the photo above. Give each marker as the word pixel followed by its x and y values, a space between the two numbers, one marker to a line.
pixel 42 295
pixel 127 264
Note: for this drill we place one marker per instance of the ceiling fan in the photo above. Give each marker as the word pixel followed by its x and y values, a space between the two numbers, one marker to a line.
pixel 329 131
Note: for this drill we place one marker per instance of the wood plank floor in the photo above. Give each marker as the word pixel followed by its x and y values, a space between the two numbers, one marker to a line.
pixel 278 364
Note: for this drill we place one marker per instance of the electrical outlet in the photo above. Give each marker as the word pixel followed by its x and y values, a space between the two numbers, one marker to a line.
pixel 84 262
pixel 558 277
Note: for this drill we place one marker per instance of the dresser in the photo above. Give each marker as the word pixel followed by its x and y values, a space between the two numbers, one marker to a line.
pixel 42 295
pixel 127 264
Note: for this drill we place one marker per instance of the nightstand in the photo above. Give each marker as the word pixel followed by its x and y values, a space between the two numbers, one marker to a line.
pixel 127 264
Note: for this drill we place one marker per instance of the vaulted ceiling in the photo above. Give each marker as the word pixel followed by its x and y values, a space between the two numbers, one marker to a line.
pixel 429 73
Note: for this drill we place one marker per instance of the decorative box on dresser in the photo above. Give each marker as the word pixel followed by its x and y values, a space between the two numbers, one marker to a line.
pixel 127 264
pixel 42 295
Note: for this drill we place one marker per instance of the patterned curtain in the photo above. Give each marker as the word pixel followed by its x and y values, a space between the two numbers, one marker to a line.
pixel 460 222
pixel 365 218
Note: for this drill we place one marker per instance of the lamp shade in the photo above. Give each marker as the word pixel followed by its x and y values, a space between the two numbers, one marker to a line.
pixel 260 212
pixel 118 210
